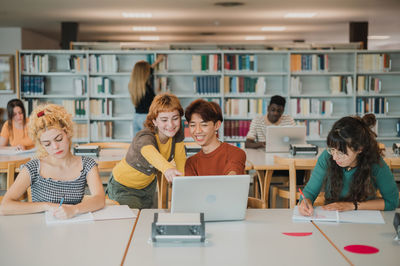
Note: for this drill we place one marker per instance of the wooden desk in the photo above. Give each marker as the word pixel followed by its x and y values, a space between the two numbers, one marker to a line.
pixel 377 235
pixel 264 164
pixel 27 240
pixel 258 240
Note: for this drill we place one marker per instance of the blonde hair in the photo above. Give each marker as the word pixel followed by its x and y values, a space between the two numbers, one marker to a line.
pixel 137 84
pixel 165 102
pixel 45 117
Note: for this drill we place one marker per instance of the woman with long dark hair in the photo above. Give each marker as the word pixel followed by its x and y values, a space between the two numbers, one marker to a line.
pixel 15 131
pixel 351 170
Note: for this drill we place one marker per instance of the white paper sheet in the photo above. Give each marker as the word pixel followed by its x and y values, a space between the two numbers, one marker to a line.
pixel 359 216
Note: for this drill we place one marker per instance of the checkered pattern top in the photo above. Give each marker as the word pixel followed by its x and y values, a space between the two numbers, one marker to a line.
pixel 50 190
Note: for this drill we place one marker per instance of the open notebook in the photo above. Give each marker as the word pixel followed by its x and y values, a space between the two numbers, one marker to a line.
pixel 112 212
pixel 359 216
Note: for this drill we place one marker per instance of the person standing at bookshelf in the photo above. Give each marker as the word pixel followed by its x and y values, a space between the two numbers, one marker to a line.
pixel 215 157
pixel 351 170
pixel 15 131
pixel 57 177
pixel 142 91
pixel 133 180
pixel 256 136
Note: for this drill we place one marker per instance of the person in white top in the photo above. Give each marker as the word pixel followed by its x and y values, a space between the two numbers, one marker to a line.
pixel 256 135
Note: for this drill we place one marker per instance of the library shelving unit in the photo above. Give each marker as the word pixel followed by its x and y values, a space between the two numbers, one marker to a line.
pixel 320 86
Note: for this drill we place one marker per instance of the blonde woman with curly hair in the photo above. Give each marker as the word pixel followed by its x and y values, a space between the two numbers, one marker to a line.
pixel 142 91
pixel 56 175
pixel 133 180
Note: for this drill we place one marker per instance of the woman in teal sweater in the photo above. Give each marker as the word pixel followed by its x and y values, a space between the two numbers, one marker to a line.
pixel 351 170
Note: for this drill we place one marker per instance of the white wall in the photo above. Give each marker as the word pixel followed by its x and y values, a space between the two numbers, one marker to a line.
pixel 10 42
pixel 13 39
pixel 34 40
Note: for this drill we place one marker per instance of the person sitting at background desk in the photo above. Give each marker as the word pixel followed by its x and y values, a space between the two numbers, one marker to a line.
pixel 351 170
pixel 215 157
pixel 57 176
pixel 15 131
pixel 256 136
pixel 133 180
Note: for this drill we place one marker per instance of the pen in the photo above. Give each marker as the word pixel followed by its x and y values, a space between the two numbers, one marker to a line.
pixel 61 201
pixel 304 198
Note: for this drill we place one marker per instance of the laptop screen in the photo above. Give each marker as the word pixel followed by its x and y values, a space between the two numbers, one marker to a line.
pixel 278 138
pixel 220 198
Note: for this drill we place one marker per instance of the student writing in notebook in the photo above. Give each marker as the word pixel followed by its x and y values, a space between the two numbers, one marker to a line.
pixel 15 130
pixel 215 157
pixel 133 180
pixel 56 175
pixel 351 170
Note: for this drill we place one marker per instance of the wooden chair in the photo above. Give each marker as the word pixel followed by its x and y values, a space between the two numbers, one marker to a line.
pixel 291 193
pixel 109 145
pixel 254 203
pixel 11 168
pixel 164 191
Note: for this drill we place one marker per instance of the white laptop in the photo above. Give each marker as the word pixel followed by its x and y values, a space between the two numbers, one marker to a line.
pixel 278 138
pixel 220 198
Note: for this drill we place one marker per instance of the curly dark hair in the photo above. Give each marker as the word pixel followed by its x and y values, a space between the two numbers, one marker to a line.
pixel 354 133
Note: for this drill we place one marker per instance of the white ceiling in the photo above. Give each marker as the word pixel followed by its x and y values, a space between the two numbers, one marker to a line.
pixel 194 20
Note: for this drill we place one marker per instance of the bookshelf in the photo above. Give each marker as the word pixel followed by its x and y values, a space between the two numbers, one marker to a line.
pixel 320 86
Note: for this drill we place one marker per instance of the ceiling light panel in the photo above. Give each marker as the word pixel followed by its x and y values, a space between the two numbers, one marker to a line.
pixel 144 28
pixel 300 15
pixel 136 15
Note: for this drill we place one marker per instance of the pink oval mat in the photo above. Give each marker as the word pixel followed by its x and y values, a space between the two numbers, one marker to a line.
pixel 361 249
pixel 298 234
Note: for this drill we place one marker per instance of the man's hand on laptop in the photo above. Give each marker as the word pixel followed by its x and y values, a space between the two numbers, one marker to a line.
pixel 171 173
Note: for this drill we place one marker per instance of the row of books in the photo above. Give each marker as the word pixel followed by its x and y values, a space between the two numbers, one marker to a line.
pixel 77 108
pixel 101 130
pixel 376 105
pixel 206 62
pixel 244 85
pixel 236 128
pixel 100 86
pixel 81 131
pixel 245 107
pixel 240 62
pixel 374 62
pixel 341 85
pixel 77 63
pixel 35 63
pixel 309 62
pixel 206 84
pixel 101 108
pixel 310 107
pixel 80 86
pixel 337 85
pixel 367 84
pixel 33 85
pixel 103 63
pixel 313 128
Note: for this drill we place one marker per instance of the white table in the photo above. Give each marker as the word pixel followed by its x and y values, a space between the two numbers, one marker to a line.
pixel 377 235
pixel 258 240
pixel 27 240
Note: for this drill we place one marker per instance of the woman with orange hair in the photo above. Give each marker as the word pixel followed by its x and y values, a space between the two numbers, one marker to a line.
pixel 56 176
pixel 133 180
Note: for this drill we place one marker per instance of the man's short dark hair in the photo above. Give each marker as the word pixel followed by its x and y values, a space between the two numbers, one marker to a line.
pixel 209 111
pixel 278 100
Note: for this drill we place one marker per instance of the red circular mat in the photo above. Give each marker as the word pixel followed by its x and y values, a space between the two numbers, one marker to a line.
pixel 361 249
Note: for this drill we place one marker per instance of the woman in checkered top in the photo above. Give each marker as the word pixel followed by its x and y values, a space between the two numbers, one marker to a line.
pixel 56 175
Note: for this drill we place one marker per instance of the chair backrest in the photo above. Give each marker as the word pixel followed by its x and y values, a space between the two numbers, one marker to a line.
pixel 109 145
pixel 293 165
pixel 11 168
pixel 254 203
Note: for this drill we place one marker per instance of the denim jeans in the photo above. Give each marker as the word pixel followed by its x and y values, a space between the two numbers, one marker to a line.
pixel 138 121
